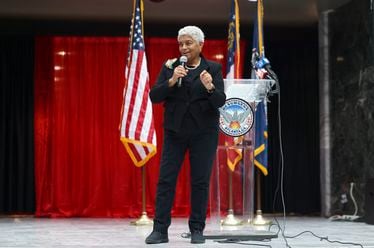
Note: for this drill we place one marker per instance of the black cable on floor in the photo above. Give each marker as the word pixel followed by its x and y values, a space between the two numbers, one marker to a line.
pixel 280 187
pixel 324 238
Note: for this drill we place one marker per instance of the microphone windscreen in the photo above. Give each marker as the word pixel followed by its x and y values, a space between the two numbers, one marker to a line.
pixel 183 59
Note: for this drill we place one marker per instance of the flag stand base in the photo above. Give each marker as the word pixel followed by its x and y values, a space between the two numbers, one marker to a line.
pixel 231 220
pixel 259 220
pixel 142 221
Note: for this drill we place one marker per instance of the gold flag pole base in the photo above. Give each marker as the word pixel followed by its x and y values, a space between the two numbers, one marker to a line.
pixel 142 221
pixel 259 220
pixel 231 220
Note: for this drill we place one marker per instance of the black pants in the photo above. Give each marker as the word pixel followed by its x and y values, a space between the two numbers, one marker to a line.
pixel 202 145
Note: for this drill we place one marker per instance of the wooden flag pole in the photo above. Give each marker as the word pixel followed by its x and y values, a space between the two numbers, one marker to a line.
pixel 258 189
pixel 143 220
pixel 230 219
pixel 259 220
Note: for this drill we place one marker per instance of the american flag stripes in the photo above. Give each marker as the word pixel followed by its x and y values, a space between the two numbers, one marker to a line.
pixel 137 128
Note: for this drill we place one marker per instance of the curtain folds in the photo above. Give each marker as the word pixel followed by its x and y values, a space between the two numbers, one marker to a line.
pixel 81 167
pixel 16 124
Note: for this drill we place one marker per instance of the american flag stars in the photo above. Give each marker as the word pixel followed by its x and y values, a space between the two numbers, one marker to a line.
pixel 138 41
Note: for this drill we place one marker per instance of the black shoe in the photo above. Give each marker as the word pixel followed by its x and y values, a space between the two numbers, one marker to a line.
pixel 157 238
pixel 197 237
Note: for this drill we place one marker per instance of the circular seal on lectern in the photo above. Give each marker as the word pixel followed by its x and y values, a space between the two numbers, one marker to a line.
pixel 236 117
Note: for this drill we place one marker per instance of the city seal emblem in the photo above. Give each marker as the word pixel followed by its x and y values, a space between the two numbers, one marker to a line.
pixel 236 117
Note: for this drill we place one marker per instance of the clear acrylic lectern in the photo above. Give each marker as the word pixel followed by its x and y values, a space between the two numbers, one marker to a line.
pixel 231 191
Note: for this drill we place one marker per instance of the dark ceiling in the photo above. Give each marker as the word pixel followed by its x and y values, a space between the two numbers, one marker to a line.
pixel 280 12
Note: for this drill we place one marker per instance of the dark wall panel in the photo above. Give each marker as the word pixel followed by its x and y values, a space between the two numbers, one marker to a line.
pixel 352 103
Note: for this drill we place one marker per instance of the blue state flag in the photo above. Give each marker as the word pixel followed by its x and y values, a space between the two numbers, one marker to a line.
pixel 261 125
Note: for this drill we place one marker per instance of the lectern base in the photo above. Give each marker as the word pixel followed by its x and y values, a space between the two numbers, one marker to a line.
pixel 242 236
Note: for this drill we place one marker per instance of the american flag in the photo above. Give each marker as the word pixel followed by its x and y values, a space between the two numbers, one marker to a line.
pixel 232 72
pixel 137 128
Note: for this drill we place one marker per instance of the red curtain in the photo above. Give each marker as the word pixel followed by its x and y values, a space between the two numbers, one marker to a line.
pixel 81 167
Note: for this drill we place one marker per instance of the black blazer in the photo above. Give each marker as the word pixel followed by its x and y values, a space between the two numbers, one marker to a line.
pixel 191 97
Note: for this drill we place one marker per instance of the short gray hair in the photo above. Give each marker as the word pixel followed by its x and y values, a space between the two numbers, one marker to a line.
pixel 192 31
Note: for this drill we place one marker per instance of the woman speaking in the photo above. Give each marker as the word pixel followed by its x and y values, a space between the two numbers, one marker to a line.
pixel 191 89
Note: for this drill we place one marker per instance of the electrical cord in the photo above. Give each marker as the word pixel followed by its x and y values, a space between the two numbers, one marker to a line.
pixel 325 238
pixel 344 217
pixel 353 198
pixel 280 185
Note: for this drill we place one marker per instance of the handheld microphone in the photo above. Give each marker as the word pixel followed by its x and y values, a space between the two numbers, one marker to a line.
pixel 183 61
